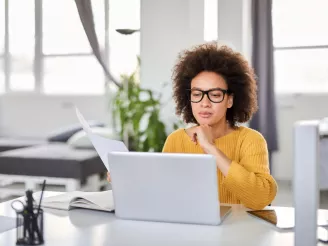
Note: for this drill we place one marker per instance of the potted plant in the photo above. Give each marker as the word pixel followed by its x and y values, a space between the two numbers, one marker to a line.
pixel 136 112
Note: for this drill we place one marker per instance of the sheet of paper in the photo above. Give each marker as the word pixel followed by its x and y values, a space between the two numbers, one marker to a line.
pixel 83 122
pixel 7 223
pixel 102 145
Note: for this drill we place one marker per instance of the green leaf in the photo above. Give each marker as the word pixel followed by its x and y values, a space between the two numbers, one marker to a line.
pixel 129 111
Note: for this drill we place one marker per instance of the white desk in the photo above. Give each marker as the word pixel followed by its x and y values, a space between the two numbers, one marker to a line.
pixel 84 227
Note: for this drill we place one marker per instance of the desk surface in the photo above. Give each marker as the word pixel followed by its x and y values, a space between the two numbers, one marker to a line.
pixel 80 227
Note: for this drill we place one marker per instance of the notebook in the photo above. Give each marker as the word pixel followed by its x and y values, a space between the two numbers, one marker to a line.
pixel 102 201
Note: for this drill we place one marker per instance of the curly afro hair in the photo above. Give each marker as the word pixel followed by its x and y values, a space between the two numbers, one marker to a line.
pixel 229 64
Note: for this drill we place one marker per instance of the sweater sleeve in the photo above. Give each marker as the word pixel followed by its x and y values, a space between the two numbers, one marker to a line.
pixel 250 179
pixel 169 145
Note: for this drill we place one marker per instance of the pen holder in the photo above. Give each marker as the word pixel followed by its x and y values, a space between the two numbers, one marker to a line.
pixel 29 227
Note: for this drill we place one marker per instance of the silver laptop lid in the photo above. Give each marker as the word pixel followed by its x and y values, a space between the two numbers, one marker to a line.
pixel 165 187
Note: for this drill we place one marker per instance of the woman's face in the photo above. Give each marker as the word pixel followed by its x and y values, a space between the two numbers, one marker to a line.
pixel 206 111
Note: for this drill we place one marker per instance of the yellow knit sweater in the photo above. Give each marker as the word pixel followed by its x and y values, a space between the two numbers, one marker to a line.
pixel 248 180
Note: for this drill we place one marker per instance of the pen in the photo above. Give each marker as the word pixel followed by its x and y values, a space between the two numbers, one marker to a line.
pixel 43 186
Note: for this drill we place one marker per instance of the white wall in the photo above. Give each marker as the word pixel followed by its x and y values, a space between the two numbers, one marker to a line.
pixel 35 115
pixel 291 108
pixel 167 27
pixel 230 17
pixel 234 25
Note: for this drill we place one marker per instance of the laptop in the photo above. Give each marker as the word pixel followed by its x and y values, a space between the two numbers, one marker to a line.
pixel 166 187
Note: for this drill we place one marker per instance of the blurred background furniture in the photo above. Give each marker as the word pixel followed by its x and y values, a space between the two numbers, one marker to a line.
pixel 66 159
pixel 323 154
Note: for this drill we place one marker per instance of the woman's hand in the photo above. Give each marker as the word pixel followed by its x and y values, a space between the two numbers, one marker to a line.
pixel 203 136
pixel 108 177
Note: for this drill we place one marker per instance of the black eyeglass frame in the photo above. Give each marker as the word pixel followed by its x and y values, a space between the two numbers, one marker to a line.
pixel 224 91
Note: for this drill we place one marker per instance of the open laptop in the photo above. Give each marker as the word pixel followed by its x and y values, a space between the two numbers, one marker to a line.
pixel 166 187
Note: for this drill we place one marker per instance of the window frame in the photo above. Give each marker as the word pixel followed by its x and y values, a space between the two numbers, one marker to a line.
pixel 303 47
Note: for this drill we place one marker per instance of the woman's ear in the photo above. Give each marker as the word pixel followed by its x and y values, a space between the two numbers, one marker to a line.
pixel 230 101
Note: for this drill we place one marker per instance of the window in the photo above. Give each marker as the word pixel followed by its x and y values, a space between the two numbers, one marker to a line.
pixel 69 67
pixel 2 27
pixel 301 46
pixel 47 49
pixel 73 75
pixel 2 45
pixel 62 29
pixel 21 45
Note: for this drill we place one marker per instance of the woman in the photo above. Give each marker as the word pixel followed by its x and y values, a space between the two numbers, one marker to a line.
pixel 214 87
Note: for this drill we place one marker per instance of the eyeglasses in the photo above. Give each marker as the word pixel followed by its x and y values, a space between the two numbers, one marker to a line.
pixel 214 95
